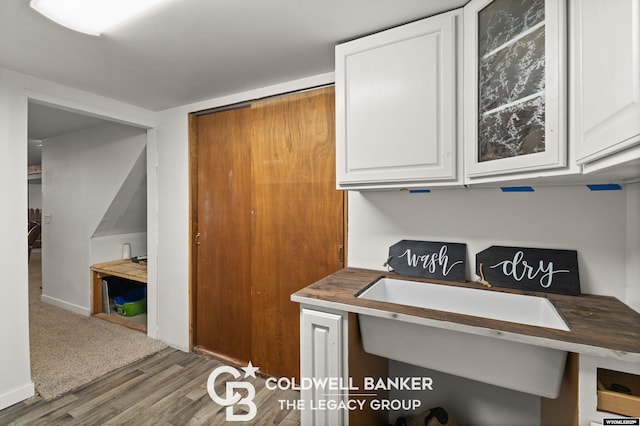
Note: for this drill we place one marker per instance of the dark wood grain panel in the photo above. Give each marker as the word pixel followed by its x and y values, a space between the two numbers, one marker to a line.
pixel 297 218
pixel 361 365
pixel 223 299
pixel 270 222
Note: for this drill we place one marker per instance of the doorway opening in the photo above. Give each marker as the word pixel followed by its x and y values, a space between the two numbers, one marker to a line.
pixel 93 198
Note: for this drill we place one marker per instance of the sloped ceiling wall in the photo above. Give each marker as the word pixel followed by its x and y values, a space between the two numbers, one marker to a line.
pixel 128 210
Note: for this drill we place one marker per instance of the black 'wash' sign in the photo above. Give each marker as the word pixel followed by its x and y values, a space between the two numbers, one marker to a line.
pixel 428 259
pixel 546 270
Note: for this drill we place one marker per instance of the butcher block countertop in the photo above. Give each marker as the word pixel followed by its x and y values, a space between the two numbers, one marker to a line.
pixel 599 325
pixel 123 268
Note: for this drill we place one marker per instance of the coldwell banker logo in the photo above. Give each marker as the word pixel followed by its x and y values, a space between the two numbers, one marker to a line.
pixel 333 393
pixel 231 397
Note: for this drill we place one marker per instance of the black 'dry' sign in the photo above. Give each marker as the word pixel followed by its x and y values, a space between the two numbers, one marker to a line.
pixel 545 270
pixel 427 259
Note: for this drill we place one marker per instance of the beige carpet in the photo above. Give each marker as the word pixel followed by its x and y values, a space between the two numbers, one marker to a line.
pixel 69 350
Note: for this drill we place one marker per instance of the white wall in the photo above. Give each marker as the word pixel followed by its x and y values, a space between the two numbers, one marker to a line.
pixel 82 174
pixel 104 249
pixel 592 222
pixel 35 196
pixel 15 377
pixel 15 90
pixel 173 228
pixel 633 247
pixel 127 212
pixel 601 226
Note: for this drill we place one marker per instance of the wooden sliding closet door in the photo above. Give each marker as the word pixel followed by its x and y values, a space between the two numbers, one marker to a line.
pixel 223 293
pixel 287 227
pixel 298 219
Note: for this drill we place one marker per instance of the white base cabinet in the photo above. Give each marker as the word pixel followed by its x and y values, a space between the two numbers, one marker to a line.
pixel 589 414
pixel 322 349
pixel 606 77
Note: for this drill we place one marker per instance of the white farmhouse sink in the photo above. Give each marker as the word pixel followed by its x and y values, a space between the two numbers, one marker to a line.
pixel 523 309
pixel 515 365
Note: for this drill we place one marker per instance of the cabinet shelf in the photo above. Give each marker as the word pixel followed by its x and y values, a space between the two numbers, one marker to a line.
pixel 514 39
pixel 618 392
pixel 128 270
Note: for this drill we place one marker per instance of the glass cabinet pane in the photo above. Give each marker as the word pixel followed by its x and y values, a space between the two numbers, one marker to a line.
pixel 511 79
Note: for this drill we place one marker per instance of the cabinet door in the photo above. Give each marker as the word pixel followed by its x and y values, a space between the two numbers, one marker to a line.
pixel 515 89
pixel 321 356
pixel 395 105
pixel 607 77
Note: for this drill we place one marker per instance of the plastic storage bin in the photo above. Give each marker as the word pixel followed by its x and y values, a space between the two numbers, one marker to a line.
pixel 132 303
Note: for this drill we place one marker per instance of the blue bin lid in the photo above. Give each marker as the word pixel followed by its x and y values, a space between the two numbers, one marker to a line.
pixel 131 296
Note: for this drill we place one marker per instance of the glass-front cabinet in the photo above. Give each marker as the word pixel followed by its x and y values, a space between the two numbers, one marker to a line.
pixel 515 86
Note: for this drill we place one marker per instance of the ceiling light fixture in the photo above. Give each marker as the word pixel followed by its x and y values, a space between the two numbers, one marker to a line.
pixel 91 16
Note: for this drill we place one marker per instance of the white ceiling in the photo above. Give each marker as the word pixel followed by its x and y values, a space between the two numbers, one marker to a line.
pixel 46 122
pixel 185 51
pixel 52 122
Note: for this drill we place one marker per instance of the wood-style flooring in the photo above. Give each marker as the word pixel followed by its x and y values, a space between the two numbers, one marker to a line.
pixel 168 388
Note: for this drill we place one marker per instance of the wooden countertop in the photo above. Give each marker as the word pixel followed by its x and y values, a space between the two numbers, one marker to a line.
pixel 123 268
pixel 599 325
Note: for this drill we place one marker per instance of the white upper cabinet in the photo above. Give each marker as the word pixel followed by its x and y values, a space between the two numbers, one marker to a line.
pixel 514 86
pixel 606 77
pixel 396 106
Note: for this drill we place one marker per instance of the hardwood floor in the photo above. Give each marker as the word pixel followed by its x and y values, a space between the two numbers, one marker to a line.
pixel 168 388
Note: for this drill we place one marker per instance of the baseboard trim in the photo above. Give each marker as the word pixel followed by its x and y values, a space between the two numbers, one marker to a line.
pixel 17 395
pixel 236 362
pixel 66 305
